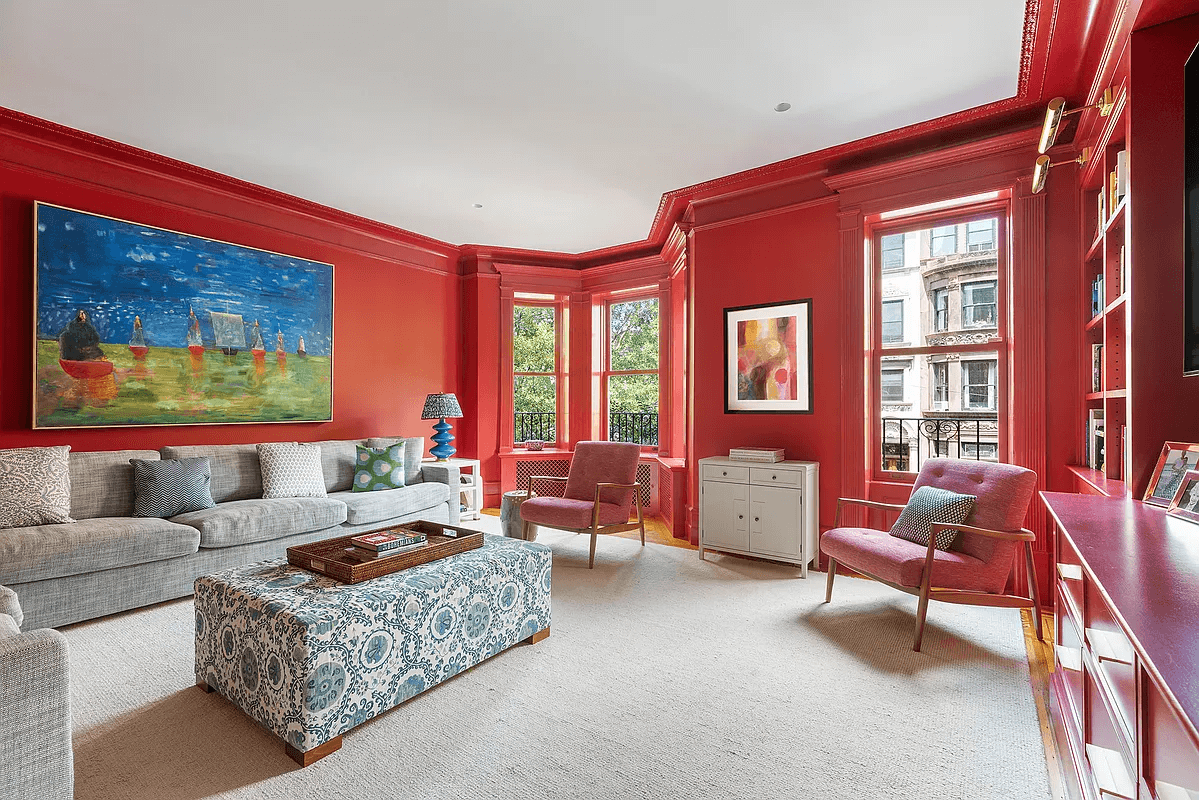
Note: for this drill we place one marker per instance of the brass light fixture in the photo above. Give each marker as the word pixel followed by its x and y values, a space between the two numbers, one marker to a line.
pixel 1041 170
pixel 1057 110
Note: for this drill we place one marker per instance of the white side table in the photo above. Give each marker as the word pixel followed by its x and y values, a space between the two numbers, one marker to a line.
pixel 471 489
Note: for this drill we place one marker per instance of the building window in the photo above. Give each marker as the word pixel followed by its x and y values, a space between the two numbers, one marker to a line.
pixel 979 309
pixel 944 241
pixel 983 451
pixel 892 251
pixel 892 385
pixel 631 380
pixel 940 386
pixel 980 235
pixel 979 385
pixel 536 368
pixel 892 321
pixel 940 310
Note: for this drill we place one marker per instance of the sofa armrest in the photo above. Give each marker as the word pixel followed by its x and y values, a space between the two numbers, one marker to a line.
pixel 36 759
pixel 10 605
pixel 451 476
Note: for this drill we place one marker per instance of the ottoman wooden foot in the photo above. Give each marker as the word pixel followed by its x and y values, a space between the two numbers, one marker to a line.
pixel 201 684
pixel 304 758
pixel 537 637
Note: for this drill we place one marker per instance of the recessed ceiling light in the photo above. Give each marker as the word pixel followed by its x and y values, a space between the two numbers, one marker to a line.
pixel 478 205
pixel 781 107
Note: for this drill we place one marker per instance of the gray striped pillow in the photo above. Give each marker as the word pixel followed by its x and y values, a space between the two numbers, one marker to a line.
pixel 171 486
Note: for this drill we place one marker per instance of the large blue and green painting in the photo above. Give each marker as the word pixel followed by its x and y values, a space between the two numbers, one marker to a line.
pixel 145 326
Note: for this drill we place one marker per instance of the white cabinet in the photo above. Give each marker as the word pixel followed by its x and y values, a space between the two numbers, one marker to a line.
pixel 765 510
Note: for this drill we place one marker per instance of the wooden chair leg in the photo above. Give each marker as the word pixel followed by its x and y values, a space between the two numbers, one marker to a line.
pixel 640 515
pixel 921 612
pixel 828 584
pixel 1033 591
pixel 591 560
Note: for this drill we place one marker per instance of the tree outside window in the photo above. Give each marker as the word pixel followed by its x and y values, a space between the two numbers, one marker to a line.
pixel 632 376
pixel 534 373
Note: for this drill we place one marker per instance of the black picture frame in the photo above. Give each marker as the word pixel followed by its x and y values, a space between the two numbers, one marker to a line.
pixel 803 402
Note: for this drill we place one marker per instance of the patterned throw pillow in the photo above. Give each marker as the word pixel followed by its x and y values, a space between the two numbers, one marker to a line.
pixel 927 505
pixel 171 486
pixel 35 486
pixel 290 469
pixel 377 468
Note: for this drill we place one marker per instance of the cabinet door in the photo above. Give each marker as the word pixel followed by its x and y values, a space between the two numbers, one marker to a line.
pixel 775 520
pixel 726 515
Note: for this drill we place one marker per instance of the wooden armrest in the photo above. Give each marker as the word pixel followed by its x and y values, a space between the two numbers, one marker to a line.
pixel 872 504
pixel 619 485
pixel 1022 535
pixel 606 485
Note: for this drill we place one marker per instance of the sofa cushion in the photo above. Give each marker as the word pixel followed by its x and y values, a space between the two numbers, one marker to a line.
pixel 898 561
pixel 291 469
pixel 378 468
pixel 367 507
pixel 235 471
pixel 337 462
pixel 563 512
pixel 89 545
pixel 414 451
pixel 102 483
pixel 243 521
pixel 35 486
pixel 929 505
pixel 166 487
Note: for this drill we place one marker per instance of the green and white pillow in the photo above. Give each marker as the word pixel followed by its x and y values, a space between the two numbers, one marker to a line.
pixel 378 468
pixel 35 486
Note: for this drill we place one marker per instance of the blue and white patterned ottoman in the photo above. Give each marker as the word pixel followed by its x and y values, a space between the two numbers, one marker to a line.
pixel 309 657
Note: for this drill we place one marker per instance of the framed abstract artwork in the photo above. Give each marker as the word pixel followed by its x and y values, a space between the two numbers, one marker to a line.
pixel 768 358
pixel 137 325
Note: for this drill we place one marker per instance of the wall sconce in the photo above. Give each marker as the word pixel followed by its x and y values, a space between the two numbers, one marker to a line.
pixel 1057 110
pixel 1041 170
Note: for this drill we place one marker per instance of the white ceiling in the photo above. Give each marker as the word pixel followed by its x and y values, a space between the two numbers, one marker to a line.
pixel 567 120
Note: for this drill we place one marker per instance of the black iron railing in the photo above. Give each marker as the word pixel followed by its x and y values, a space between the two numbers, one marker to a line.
pixel 908 441
pixel 539 425
pixel 633 426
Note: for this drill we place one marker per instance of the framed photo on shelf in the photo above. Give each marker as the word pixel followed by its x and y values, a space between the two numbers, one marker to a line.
pixel 1176 460
pixel 1186 500
pixel 768 358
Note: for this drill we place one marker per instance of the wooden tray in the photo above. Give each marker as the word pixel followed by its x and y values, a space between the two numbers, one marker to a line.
pixel 329 556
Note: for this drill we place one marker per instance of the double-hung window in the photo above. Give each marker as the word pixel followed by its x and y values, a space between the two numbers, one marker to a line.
pixel 892 385
pixel 980 385
pixel 537 368
pixel 892 251
pixel 979 304
pixel 980 235
pixel 944 241
pixel 892 321
pixel 631 378
pixel 940 310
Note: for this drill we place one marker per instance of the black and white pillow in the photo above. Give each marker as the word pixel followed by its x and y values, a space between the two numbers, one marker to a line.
pixel 35 486
pixel 290 469
pixel 927 505
pixel 171 486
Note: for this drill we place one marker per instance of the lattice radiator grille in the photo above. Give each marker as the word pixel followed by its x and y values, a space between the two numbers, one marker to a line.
pixel 556 467
pixel 665 498
pixel 645 476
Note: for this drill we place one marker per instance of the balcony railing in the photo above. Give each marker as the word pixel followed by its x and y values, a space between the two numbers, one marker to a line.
pixel 633 426
pixel 909 441
pixel 539 425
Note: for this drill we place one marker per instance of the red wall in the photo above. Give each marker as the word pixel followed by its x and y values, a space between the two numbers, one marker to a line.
pixel 786 256
pixel 396 297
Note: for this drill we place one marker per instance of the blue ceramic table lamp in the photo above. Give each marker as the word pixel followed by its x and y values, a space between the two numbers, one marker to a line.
pixel 441 407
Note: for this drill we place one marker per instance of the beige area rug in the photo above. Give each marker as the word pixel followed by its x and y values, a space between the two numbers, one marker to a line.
pixel 664 677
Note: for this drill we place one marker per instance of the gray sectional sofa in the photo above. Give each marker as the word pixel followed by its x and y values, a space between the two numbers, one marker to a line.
pixel 109 561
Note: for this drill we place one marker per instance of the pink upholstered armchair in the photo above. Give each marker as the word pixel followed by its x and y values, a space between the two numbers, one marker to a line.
pixel 975 569
pixel 600 489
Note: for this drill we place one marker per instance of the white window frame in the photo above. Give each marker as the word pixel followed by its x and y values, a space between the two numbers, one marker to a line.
pixel 969 306
pixel 992 385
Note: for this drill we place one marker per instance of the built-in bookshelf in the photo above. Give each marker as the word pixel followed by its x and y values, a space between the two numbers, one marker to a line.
pixel 1104 315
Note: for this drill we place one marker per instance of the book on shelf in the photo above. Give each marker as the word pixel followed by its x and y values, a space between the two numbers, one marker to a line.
pixel 764 455
pixel 1121 174
pixel 1096 368
pixel 1102 215
pixel 381 541
pixel 1112 202
pixel 361 554
pixel 1095 438
pixel 1097 296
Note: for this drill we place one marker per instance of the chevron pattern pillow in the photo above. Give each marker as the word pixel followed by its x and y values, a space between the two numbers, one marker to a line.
pixel 35 486
pixel 927 505
pixel 291 469
pixel 377 468
pixel 171 486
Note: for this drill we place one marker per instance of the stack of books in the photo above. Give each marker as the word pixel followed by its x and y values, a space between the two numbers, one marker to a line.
pixel 762 455
pixel 381 544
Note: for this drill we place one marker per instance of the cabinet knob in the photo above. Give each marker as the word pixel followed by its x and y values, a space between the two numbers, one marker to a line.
pixel 756 519
pixel 774 477
pixel 725 474
pixel 740 516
